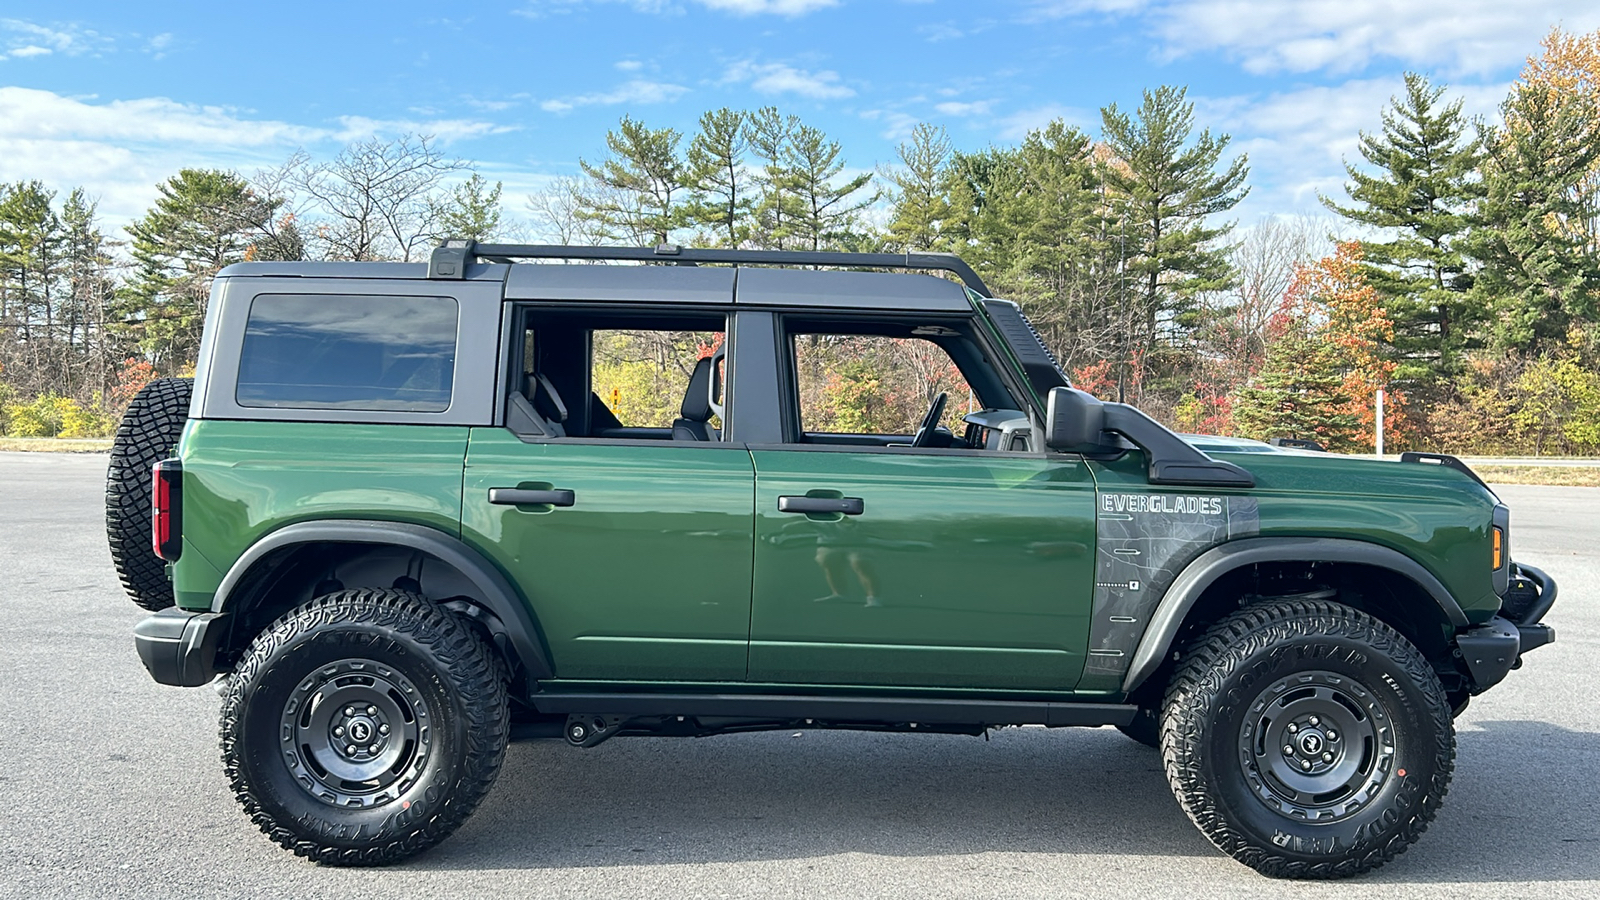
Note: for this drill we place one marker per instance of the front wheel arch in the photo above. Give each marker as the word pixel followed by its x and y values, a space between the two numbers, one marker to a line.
pixel 1182 610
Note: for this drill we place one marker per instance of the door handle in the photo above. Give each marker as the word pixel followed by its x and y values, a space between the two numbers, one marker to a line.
pixel 525 497
pixel 850 506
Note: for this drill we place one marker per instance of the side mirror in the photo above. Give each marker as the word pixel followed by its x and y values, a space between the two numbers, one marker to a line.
pixel 1073 420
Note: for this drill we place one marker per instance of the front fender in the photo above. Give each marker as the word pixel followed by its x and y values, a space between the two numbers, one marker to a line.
pixel 1213 564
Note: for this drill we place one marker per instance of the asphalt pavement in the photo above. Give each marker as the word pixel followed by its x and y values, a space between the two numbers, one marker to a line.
pixel 110 784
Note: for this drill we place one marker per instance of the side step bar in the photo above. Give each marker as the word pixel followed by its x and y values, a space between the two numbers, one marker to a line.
pixel 832 708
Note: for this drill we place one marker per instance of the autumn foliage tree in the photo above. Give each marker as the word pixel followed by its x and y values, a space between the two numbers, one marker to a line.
pixel 1327 359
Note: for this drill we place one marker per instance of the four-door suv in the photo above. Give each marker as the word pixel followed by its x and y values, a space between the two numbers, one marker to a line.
pixel 414 513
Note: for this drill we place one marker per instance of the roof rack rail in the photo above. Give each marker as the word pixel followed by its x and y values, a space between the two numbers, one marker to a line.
pixel 450 259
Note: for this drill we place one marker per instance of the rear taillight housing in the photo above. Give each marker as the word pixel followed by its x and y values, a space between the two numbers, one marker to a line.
pixel 166 512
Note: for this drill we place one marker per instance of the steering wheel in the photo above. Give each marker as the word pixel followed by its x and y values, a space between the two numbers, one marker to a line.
pixel 930 422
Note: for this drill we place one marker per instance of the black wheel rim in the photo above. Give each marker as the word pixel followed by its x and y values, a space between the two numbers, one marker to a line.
pixel 356 733
pixel 1317 746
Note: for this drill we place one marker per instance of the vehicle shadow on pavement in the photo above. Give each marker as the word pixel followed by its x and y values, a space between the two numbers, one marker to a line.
pixel 1521 808
pixel 644 801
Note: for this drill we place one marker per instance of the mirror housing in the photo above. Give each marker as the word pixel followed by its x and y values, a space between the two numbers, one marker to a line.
pixel 1073 420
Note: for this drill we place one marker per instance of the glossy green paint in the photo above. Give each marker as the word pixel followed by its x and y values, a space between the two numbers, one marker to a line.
pixel 969 570
pixel 1436 516
pixel 647 575
pixel 242 480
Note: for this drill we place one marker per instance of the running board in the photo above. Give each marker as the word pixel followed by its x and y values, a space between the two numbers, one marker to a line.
pixel 833 708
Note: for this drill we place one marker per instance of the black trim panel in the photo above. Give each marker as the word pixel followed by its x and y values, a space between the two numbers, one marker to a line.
pixel 1219 561
pixel 839 709
pixel 498 593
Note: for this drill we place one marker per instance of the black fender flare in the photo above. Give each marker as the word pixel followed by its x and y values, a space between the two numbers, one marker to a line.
pixel 496 590
pixel 1211 565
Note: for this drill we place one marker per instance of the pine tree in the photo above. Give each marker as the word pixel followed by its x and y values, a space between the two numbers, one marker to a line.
pixel 1421 194
pixel 1537 270
pixel 471 211
pixel 724 194
pixel 1297 395
pixel 203 220
pixel 1169 186
pixel 30 245
pixel 642 184
pixel 827 208
pixel 922 205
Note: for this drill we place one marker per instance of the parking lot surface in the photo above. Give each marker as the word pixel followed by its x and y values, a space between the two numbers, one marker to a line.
pixel 111 784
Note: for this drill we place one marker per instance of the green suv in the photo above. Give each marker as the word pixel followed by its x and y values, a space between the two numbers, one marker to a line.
pixel 405 514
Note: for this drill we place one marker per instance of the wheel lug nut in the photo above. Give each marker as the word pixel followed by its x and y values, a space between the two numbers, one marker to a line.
pixel 1327 757
pixel 1288 750
pixel 383 729
pixel 1305 763
pixel 349 711
pixel 1314 720
pixel 339 731
pixel 1293 728
pixel 1333 735
pixel 350 748
pixel 373 710
pixel 373 749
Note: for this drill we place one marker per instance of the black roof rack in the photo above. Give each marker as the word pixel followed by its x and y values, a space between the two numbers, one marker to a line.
pixel 450 259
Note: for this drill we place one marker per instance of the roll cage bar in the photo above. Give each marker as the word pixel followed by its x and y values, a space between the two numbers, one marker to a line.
pixel 450 258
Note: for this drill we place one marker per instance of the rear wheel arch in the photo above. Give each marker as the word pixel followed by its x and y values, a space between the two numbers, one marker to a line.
pixel 1375 579
pixel 286 567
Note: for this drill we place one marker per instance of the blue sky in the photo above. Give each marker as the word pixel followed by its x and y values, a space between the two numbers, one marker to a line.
pixel 117 96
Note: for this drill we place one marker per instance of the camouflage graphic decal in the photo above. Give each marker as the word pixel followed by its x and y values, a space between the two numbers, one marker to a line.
pixel 1142 542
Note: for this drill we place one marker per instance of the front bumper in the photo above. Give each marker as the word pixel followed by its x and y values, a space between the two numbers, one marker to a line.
pixel 179 647
pixel 1493 649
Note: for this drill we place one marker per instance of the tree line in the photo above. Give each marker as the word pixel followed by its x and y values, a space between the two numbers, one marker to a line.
pixel 1466 283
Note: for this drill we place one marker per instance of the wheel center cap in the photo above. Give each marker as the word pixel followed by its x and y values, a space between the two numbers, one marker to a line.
pixel 361 730
pixel 1311 743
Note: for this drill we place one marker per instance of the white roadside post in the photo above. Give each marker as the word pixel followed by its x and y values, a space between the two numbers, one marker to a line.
pixel 1380 422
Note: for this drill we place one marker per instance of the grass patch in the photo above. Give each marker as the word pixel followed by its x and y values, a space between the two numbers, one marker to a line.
pixel 1571 476
pixel 56 445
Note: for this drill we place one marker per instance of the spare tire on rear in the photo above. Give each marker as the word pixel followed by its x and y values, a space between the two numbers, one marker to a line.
pixel 149 431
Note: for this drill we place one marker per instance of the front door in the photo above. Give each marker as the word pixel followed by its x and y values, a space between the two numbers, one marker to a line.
pixel 958 571
pixel 958 560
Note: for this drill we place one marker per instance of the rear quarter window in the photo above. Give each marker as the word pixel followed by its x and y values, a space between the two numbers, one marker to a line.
pixel 332 351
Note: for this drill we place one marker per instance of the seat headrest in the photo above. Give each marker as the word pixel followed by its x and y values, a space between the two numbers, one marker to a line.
pixel 697 399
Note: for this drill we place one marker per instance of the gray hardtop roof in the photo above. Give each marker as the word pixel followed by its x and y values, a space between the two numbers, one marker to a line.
pixel 750 285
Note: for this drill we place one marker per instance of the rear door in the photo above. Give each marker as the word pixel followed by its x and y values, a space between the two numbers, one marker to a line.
pixel 634 551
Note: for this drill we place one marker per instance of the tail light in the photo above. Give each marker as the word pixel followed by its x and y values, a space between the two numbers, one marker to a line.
pixel 166 519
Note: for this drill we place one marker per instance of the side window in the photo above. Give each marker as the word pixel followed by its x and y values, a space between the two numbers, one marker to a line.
pixel 879 385
pixel 619 375
pixel 348 352
pixel 643 377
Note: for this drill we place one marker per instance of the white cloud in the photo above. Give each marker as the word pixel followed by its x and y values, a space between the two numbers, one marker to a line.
pixel 635 91
pixel 897 125
pixel 118 150
pixel 790 8
pixel 38 40
pixel 1016 126
pixel 1298 140
pixel 776 78
pixel 538 9
pixel 628 65
pixel 961 110
pixel 1458 36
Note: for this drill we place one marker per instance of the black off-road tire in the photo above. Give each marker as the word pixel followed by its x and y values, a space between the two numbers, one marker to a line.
pixel 1145 727
pixel 296 681
pixel 148 432
pixel 1266 667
